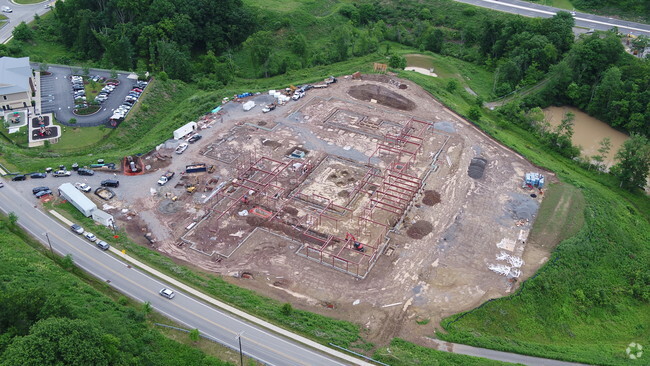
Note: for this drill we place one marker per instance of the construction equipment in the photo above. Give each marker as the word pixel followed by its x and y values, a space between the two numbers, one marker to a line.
pixel 190 189
pixel 196 168
pixel 356 245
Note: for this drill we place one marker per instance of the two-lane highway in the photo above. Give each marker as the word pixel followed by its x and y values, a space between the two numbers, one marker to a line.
pixel 257 342
pixel 584 20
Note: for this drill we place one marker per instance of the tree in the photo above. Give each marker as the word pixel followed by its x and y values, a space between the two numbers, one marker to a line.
pixel 397 62
pixel 146 308
pixel 13 219
pixel 194 335
pixel 23 32
pixel 452 85
pixel 633 163
pixel 474 113
pixel 603 150
pixel 286 309
pixel 433 39
pixel 43 67
pixel 62 341
pixel 565 128
pixel 259 45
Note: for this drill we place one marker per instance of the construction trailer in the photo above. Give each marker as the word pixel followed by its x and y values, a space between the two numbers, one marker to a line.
pixel 77 198
pixel 185 130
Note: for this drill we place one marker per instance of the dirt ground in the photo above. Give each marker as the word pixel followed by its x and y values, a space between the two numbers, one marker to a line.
pixel 437 206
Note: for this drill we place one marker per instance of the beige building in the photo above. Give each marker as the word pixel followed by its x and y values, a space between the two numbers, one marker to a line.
pixel 16 83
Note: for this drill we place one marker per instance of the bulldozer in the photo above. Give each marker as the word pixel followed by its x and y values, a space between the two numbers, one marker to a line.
pixel 190 188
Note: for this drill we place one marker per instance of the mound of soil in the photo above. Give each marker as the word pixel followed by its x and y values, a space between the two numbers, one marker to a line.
pixel 419 230
pixel 431 198
pixel 290 210
pixel 383 96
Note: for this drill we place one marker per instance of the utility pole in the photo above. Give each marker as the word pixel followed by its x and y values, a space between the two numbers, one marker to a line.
pixel 49 243
pixel 241 354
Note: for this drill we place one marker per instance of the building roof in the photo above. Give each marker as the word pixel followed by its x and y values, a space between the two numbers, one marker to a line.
pixel 14 75
pixel 73 194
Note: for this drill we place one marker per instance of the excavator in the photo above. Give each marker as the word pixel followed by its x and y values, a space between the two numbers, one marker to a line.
pixel 356 244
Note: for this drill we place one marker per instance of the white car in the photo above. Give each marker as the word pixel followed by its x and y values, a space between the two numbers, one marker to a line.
pixel 182 147
pixel 6 9
pixel 82 187
pixel 167 293
pixel 90 236
pixel 61 173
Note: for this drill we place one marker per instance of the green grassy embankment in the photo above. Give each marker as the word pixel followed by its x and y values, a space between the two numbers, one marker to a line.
pixel 44 307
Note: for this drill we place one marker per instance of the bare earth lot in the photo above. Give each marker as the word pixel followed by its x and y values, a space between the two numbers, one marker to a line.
pixel 437 206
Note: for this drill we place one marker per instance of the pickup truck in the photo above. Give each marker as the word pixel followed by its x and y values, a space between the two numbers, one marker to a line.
pixel 165 178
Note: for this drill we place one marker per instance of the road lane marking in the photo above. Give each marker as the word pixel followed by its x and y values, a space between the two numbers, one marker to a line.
pixel 147 290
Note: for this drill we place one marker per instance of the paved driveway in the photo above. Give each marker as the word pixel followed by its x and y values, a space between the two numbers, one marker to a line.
pixel 56 96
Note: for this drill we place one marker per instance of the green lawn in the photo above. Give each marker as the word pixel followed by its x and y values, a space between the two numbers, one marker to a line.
pixel 78 138
pixel 562 4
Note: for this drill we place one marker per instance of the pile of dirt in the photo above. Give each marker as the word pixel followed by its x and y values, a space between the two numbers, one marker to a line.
pixel 419 230
pixel 431 198
pixel 290 210
pixel 383 96
pixel 476 168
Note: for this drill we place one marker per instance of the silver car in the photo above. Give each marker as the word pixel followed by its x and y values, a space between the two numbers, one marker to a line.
pixel 167 293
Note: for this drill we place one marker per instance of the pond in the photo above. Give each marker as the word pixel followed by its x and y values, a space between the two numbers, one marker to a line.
pixel 420 63
pixel 588 131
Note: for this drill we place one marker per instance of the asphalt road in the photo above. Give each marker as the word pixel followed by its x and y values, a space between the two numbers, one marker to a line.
pixel 582 19
pixel 21 13
pixel 57 96
pixel 260 344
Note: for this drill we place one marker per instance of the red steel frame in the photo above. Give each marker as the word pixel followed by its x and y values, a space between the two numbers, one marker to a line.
pixel 262 186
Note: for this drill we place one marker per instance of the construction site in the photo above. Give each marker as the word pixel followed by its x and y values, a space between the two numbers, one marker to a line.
pixel 367 201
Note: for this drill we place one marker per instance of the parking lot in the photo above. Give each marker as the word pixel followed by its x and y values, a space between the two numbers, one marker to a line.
pixel 57 96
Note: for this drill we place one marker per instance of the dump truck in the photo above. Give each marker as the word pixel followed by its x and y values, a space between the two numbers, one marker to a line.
pixel 165 178
pixel 196 168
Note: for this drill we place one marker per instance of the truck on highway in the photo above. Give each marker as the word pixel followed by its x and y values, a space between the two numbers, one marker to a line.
pixel 165 178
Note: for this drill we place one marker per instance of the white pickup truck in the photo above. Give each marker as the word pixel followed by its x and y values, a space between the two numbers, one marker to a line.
pixel 165 178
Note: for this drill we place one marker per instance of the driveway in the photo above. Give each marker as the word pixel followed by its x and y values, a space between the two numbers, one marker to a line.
pixel 56 95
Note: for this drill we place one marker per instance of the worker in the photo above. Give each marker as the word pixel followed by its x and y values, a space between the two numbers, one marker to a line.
pixel 245 199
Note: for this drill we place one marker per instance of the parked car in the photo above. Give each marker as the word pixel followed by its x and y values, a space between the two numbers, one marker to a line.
pixel 37 175
pixel 77 229
pixel 43 193
pixel 90 236
pixel 84 171
pixel 181 148
pixel 2 184
pixel 110 183
pixel 167 293
pixel 102 245
pixel 61 173
pixel 194 138
pixel 82 187
pixel 39 189
pixel 6 9
pixel 19 177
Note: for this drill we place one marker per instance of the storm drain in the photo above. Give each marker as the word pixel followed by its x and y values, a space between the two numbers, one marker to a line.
pixel 476 168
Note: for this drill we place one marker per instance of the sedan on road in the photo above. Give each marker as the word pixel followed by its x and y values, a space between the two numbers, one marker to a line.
pixel 90 236
pixel 167 293
pixel 38 175
pixel 194 139
pixel 77 229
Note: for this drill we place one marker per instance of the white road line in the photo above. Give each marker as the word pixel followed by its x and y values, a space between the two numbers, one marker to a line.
pixel 576 18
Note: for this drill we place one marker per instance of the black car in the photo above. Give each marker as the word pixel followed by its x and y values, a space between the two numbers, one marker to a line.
pixel 19 177
pixel 194 139
pixel 37 175
pixel 110 183
pixel 43 193
pixel 83 171
pixel 39 189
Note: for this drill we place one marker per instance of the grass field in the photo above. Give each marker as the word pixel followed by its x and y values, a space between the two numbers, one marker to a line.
pixel 78 138
pixel 562 4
